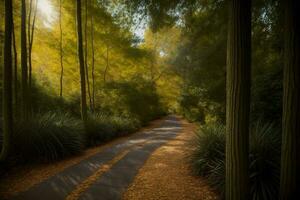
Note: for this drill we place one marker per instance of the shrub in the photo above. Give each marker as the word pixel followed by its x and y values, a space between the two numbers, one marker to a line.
pixel 210 145
pixel 48 136
pixel 264 161
pixel 208 158
pixel 125 125
pixel 137 98
pixel 101 128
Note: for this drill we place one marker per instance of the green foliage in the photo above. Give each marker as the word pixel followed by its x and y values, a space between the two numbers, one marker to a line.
pixel 135 98
pixel 52 136
pixel 264 161
pixel 191 106
pixel 102 128
pixel 43 101
pixel 267 97
pixel 99 128
pixel 208 159
pixel 48 137
pixel 210 145
pixel 201 61
pixel 125 125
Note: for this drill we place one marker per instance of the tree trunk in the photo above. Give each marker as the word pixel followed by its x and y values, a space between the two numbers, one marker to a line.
pixel 31 29
pixel 86 53
pixel 81 61
pixel 1 46
pixel 24 85
pixel 61 50
pixel 107 63
pixel 16 84
pixel 29 41
pixel 93 60
pixel 7 82
pixel 238 99
pixel 290 157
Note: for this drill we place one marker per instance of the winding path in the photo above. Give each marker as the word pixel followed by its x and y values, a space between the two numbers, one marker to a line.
pixel 107 174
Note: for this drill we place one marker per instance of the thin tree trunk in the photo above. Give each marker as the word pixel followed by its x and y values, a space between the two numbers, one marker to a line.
pixel 290 157
pixel 93 60
pixel 24 85
pixel 16 84
pixel 86 53
pixel 7 82
pixel 107 63
pixel 29 22
pixel 81 61
pixel 61 50
pixel 1 47
pixel 31 37
pixel 238 103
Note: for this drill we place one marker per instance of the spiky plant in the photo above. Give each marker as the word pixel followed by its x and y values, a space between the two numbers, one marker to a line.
pixel 208 158
pixel 48 136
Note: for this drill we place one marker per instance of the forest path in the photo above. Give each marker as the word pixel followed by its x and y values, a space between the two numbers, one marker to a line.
pixel 107 174
pixel 147 165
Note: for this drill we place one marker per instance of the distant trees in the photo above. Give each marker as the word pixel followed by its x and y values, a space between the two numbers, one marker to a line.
pixel 238 99
pixel 7 82
pixel 81 61
pixel 37 26
pixel 291 103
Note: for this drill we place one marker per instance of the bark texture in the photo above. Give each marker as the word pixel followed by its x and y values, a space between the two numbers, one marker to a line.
pixel 31 29
pixel 93 59
pixel 81 61
pixel 238 99
pixel 24 76
pixel 86 52
pixel 290 157
pixel 61 50
pixel 16 83
pixel 107 63
pixel 7 82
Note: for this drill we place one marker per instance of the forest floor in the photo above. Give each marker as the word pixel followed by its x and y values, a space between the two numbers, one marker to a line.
pixel 150 164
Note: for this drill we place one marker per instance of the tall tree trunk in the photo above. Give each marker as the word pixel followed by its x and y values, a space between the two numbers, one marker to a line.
pixel 1 47
pixel 290 157
pixel 81 61
pixel 31 28
pixel 1 43
pixel 93 60
pixel 61 50
pixel 238 103
pixel 107 63
pixel 86 52
pixel 24 85
pixel 28 40
pixel 16 84
pixel 7 82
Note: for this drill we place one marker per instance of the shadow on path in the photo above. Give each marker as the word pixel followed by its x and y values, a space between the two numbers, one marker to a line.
pixel 115 181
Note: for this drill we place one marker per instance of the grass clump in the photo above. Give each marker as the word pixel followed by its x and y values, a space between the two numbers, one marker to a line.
pixel 52 136
pixel 208 158
pixel 48 137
